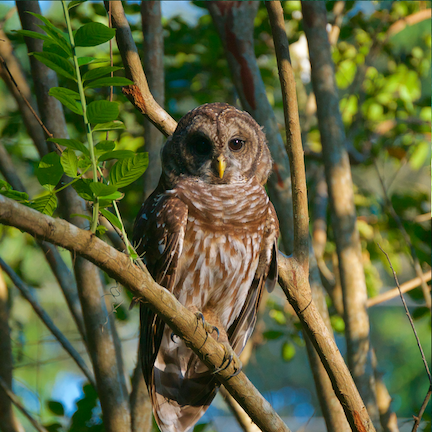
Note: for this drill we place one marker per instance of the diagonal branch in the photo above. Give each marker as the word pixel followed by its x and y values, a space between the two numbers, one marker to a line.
pixel 140 283
pixel 46 319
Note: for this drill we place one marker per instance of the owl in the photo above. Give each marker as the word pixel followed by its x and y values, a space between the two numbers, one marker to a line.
pixel 207 234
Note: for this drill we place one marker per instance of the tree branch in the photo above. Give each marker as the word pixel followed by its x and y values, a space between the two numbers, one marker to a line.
pixel 140 283
pixel 139 93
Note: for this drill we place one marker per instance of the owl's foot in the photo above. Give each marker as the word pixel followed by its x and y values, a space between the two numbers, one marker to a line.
pixel 207 327
pixel 229 357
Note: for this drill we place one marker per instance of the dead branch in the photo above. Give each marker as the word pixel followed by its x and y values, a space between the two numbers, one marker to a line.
pixel 46 319
pixel 139 94
pixel 405 287
pixel 422 410
pixel 140 283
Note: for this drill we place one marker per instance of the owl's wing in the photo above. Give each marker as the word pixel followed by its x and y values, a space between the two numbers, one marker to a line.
pixel 158 235
pixel 266 275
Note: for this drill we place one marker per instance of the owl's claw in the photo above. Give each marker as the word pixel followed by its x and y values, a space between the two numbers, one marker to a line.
pixel 228 359
pixel 207 327
pixel 172 337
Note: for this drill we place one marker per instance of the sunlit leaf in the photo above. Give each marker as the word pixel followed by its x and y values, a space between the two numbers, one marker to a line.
pixel 109 81
pixel 67 98
pixel 33 34
pixel 116 154
pixel 71 143
pixel 102 111
pixel 105 146
pixel 45 204
pixel 69 162
pixel 56 63
pixel 114 125
pixel 288 351
pixel 112 218
pixel 102 190
pixel 126 171
pixel 99 72
pixel 93 34
pixel 49 171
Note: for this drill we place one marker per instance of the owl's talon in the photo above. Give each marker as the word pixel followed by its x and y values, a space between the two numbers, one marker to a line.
pixel 207 327
pixel 172 337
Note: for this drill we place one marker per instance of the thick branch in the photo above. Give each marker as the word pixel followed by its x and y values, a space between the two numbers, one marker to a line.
pixel 139 282
pixel 139 94
pixel 46 319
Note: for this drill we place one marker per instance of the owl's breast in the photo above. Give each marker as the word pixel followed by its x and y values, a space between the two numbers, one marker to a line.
pixel 221 249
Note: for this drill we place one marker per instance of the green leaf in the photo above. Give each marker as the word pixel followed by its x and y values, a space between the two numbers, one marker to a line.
pixel 52 47
pixel 15 195
pixel 102 111
pixel 49 171
pixel 114 125
pixel 69 162
pixel 33 34
pixel 113 219
pixel 89 218
pixel 93 34
pixel 82 61
pixel 58 38
pixel 107 201
pixel 4 185
pixel 74 3
pixel 126 171
pixel 82 188
pixel 101 229
pixel 288 351
pixel 71 143
pixel 99 72
pixel 45 204
pixel 68 100
pixel 116 154
pixel 62 90
pixel 104 146
pixel 102 190
pixel 273 334
pixel 56 63
pixel 56 407
pixel 109 81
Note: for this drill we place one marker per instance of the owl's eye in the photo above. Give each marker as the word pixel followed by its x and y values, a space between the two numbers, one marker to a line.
pixel 200 145
pixel 236 144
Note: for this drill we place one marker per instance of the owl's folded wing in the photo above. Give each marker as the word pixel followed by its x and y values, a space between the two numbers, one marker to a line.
pixel 158 235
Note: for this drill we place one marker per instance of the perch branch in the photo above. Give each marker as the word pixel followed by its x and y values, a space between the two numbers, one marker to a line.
pixel 140 283
pixel 422 410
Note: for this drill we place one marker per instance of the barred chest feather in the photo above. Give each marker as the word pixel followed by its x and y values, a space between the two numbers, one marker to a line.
pixel 221 245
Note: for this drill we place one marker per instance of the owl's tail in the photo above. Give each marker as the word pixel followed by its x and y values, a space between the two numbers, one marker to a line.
pixel 183 388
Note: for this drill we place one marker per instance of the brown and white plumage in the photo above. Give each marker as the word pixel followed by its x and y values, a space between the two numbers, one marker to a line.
pixel 208 234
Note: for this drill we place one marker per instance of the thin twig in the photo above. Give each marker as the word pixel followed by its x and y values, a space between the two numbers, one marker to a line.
pixel 405 235
pixel 408 314
pixel 422 410
pixel 4 64
pixel 405 287
pixel 20 406
pixel 46 319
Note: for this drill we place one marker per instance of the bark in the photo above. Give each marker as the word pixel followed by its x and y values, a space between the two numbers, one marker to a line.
pixel 154 70
pixel 8 421
pixel 331 408
pixel 139 93
pixel 20 90
pixel 234 21
pixel 339 182
pixel 140 404
pixel 109 375
pixel 138 280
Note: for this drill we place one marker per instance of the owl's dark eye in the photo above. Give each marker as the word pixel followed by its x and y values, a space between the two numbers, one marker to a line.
pixel 236 144
pixel 200 145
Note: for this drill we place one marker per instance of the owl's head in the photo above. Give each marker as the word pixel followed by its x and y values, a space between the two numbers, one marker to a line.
pixel 218 144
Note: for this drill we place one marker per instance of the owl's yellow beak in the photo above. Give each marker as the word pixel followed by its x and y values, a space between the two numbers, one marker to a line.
pixel 222 165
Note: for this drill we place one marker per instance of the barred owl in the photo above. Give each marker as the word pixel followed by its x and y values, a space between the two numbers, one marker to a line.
pixel 208 234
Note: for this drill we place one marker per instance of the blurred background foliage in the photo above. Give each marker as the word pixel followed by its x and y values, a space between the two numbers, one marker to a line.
pixel 383 69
